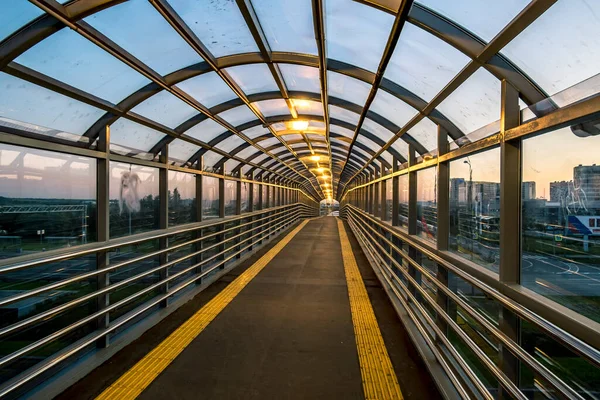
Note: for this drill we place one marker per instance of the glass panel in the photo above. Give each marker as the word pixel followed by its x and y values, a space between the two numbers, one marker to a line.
pixel 180 151
pixel 256 131
pixel 62 189
pixel 571 52
pixel 356 33
pixel 182 198
pixel 422 63
pixel 475 103
pixel 561 219
pixel 253 78
pixel 484 18
pixel 392 108
pixel 134 201
pixel 208 89
pixel 210 158
pixel 238 115
pixel 218 24
pixel 165 109
pixel 230 143
pixel 425 132
pixel 244 197
pixel 210 197
pixel 389 192
pixel 247 152
pixel 301 78
pixel 403 201
pixel 14 15
pixel 23 102
pixel 347 88
pixel 127 136
pixel 230 197
pixel 475 208
pixel 269 142
pixel 377 130
pixel 427 203
pixel 271 108
pixel 342 131
pixel 343 114
pixel 230 165
pixel 288 25
pixel 308 107
pixel 138 28
pixel 255 196
pixel 74 60
pixel 292 137
pixel 206 130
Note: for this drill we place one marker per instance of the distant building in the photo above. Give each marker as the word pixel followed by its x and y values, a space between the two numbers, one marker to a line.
pixel 559 190
pixel 458 193
pixel 586 178
pixel 528 191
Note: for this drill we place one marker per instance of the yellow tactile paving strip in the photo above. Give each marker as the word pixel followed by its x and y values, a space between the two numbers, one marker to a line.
pixel 134 381
pixel 378 376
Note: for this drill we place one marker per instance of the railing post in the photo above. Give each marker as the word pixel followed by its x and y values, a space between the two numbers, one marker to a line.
pixel 510 223
pixel 198 233
pixel 443 220
pixel 102 258
pixel 238 211
pixel 221 227
pixel 412 218
pixel 163 195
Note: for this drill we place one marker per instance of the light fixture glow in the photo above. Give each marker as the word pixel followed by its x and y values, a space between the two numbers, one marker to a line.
pixel 315 158
pixel 300 103
pixel 299 125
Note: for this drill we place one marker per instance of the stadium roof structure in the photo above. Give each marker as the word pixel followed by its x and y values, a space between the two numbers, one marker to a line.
pixel 293 89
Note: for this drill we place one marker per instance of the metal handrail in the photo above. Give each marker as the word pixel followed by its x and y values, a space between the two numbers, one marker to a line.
pixel 134 239
pixel 64 307
pixel 357 222
pixel 56 285
pixel 573 343
pixel 513 347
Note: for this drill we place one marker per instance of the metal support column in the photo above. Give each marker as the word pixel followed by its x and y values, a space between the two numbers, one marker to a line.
pixel 238 210
pixel 395 194
pixel 103 216
pixel 163 195
pixel 382 196
pixel 510 222
pixel 412 217
pixel 198 233
pixel 443 220
pixel 221 227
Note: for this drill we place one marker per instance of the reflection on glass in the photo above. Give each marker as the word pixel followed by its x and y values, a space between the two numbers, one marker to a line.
pixel 427 203
pixel 47 200
pixel 230 197
pixel 265 198
pixel 561 219
pixel 134 201
pixel 245 206
pixel 389 191
pixel 475 208
pixel 182 198
pixel 210 197
pixel 403 201
pixel 255 196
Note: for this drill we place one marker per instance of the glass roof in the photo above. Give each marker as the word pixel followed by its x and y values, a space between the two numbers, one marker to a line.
pixel 208 89
pixel 138 28
pixel 68 57
pixel 60 85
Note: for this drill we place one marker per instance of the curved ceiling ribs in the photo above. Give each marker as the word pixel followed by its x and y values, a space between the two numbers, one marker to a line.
pixel 288 163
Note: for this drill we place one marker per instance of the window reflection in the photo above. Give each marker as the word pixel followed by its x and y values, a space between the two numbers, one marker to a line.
pixel 475 208
pixel 388 199
pixel 47 200
pixel 230 197
pixel 561 216
pixel 244 197
pixel 403 201
pixel 427 203
pixel 255 196
pixel 182 198
pixel 210 197
pixel 134 201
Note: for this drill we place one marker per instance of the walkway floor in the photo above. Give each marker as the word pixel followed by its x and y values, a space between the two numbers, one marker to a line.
pixel 287 335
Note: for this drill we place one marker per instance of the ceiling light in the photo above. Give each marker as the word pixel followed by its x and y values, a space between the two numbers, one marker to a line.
pixel 299 125
pixel 315 158
pixel 300 103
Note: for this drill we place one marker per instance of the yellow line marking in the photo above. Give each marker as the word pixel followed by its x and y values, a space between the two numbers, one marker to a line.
pixel 378 376
pixel 134 381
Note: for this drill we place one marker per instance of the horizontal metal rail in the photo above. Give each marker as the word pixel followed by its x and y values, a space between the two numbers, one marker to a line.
pixel 360 222
pixel 259 227
pixel 131 240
